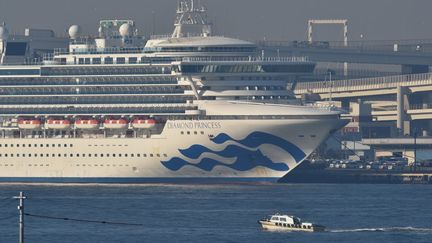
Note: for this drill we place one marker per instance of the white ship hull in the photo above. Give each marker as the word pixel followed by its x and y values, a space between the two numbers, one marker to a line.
pixel 185 150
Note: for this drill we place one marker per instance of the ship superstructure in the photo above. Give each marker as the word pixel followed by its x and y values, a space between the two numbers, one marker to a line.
pixel 186 106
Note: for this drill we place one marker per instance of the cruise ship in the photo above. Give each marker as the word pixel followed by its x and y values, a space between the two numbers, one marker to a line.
pixel 119 108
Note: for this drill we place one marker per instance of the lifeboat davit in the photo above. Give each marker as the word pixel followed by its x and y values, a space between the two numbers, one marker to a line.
pixel 58 124
pixel 116 124
pixel 144 123
pixel 87 124
pixel 29 124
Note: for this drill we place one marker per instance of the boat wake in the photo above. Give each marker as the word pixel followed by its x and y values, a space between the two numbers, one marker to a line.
pixel 387 229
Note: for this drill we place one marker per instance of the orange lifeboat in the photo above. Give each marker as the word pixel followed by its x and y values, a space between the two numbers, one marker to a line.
pixel 29 124
pixel 58 124
pixel 144 123
pixel 87 124
pixel 116 124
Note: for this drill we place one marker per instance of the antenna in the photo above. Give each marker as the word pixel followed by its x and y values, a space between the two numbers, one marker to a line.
pixel 191 17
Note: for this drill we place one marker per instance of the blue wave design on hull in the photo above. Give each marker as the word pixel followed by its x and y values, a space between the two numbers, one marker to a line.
pixel 257 139
pixel 245 159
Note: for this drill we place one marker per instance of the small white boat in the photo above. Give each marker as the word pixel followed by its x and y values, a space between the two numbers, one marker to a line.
pixel 288 223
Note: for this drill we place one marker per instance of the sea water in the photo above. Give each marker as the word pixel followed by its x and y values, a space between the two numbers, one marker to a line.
pixel 217 212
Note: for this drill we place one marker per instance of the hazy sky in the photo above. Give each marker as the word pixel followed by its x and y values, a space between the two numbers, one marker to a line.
pixel 248 19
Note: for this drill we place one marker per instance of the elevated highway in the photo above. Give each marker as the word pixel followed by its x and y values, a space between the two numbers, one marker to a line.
pixel 414 56
pixel 403 98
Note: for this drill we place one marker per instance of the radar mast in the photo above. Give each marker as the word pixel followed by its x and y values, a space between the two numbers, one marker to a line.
pixel 191 19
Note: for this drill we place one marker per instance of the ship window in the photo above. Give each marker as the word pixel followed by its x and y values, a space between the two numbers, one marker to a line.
pixel 35 155
pixel 165 155
pixel 65 145
pixel 47 155
pixel 151 155
pixel 77 155
pixel 101 155
pixel 89 155
pixel 283 219
pixel 23 155
pixel 6 145
pixel 59 155
pixel 182 133
pixel 120 155
pixel 83 155
pixel 107 155
pixel 133 60
pixel 12 145
pixel 132 155
pixel 0 155
pixel 313 136
pixel 71 155
pixel 158 155
pixel 126 155
pixel 202 132
pixel 71 145
pixel 96 61
pixel 145 155
pixel 41 145
pixel 53 155
pixel 195 132
pixel 0 145
pixel 18 155
pixel 59 145
pixel 121 60
pixel 80 60
pixel 108 60
pixel 188 133
pixel 114 155
pixel 95 155
pixel 138 155
pixel 29 155
pixel 47 145
pixel 18 145
pixel 53 145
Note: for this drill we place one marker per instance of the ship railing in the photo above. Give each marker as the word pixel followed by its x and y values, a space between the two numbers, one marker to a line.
pixel 108 50
pixel 247 59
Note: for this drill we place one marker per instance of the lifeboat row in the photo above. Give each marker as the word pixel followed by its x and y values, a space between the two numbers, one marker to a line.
pixel 62 124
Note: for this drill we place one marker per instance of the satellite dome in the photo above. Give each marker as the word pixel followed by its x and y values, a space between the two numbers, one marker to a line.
pixel 4 33
pixel 125 30
pixel 74 31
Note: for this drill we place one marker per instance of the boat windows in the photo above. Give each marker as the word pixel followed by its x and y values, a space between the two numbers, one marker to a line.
pixel 120 60
pixel 151 155
pixel 96 61
pixel 133 60
pixel 108 60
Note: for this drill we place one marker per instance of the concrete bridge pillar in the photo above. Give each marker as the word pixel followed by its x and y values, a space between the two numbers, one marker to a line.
pixel 402 121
